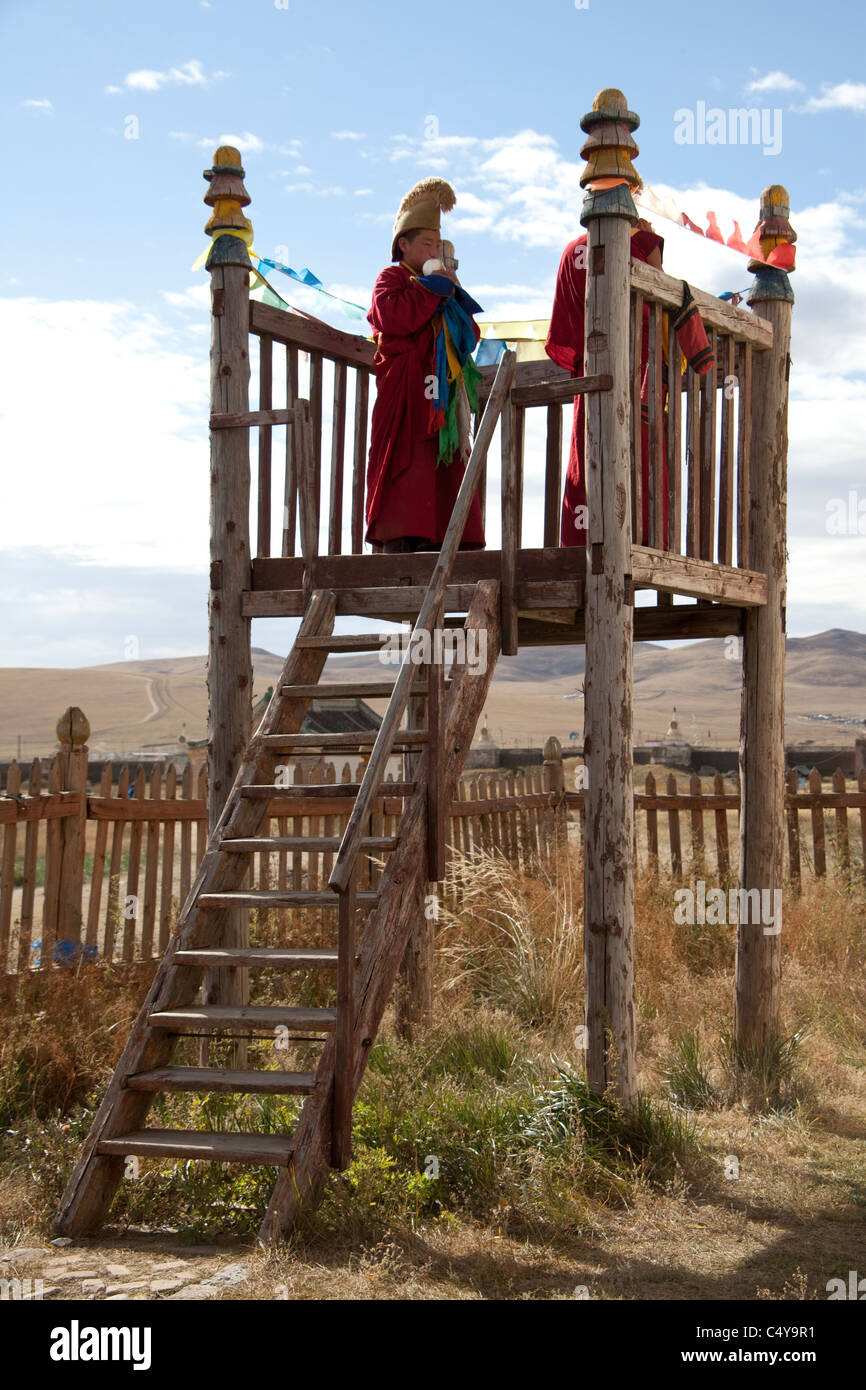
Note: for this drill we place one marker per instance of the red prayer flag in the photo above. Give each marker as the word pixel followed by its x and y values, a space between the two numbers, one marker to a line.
pixel 735 240
pixel 713 231
pixel 753 246
pixel 782 257
pixel 692 226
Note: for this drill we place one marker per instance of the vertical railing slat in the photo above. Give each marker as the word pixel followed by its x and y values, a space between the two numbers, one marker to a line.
pixel 290 492
pixel 338 449
pixel 553 476
pixel 674 439
pixel 744 438
pixel 266 400
pixel 635 351
pixel 707 455
pixel 726 465
pixel 359 459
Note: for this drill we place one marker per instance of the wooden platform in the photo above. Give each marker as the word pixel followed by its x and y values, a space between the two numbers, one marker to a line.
pixel 550 590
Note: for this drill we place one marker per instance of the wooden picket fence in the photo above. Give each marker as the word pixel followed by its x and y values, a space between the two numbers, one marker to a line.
pixel 102 874
pixel 712 822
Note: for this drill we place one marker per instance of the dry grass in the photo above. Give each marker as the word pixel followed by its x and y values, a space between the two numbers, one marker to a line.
pixel 533 1191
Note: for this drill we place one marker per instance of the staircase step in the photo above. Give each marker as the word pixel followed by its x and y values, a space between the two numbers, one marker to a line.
pixel 328 791
pixel 349 690
pixel 276 897
pixel 364 738
pixel 305 842
pixel 215 1080
pixel 221 1147
pixel 243 1018
pixel 300 958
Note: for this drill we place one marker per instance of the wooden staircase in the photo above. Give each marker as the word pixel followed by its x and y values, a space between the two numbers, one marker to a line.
pixel 362 959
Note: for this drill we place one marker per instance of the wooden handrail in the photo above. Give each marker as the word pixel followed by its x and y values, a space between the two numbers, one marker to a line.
pixel 743 325
pixel 435 595
pixel 311 335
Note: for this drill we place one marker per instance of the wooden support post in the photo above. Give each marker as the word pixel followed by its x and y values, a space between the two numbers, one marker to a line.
pixel 414 994
pixel 609 213
pixel 229 671
pixel 762 729
pixel 73 730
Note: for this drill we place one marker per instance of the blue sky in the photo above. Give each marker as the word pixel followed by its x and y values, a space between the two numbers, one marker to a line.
pixel 338 108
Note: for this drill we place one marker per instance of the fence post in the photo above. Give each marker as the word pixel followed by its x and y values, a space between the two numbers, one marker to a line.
pixel 555 782
pixel 762 725
pixel 73 730
pixel 609 213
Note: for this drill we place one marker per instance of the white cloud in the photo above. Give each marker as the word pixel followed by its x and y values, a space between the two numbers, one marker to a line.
pixel 111 90
pixel 194 297
pixel 189 74
pixel 348 135
pixel 774 82
pixel 843 96
pixel 363 192
pixel 334 192
pixel 121 460
pixel 246 143
pixel 40 104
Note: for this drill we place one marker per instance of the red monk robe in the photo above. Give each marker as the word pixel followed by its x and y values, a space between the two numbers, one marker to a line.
pixel 565 342
pixel 407 494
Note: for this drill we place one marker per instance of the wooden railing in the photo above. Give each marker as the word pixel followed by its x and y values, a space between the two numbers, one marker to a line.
pixel 698 427
pixel 697 470
pixel 300 357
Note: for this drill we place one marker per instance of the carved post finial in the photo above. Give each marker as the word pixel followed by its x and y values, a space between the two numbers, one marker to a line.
pixel 73 727
pixel 777 237
pixel 226 194
pixel 609 176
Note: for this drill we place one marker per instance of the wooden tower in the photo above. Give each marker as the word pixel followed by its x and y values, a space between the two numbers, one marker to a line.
pixel 716 466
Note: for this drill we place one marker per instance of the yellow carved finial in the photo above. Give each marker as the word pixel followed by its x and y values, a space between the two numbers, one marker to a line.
pixel 774 228
pixel 226 195
pixel 609 149
pixel 610 99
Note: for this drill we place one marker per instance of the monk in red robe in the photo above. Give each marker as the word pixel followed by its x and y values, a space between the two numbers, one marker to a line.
pixel 565 342
pixel 410 492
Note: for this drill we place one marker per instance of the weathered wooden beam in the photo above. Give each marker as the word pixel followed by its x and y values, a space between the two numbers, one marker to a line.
pixel 287 327
pixel 716 313
pixel 242 419
pixel 559 392
pixel 683 574
pixel 552 562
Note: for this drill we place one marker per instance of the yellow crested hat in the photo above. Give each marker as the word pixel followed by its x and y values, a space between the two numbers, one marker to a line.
pixel 423 206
